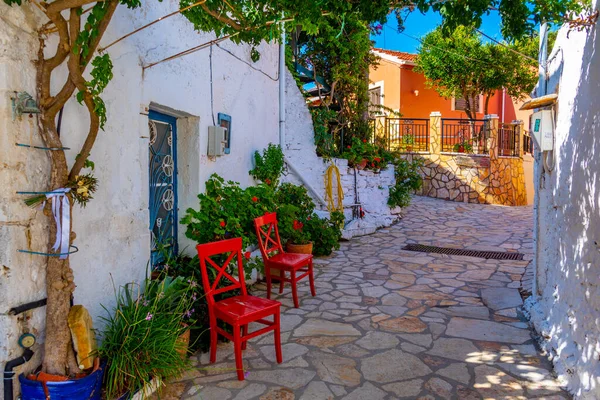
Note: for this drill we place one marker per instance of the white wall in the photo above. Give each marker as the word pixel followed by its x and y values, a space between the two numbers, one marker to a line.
pixel 372 188
pixel 566 310
pixel 112 231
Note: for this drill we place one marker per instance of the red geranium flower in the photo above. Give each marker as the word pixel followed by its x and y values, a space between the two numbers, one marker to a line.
pixel 268 181
pixel 349 147
pixel 297 225
pixel 223 224
pixel 254 199
pixel 364 140
pixel 377 159
pixel 247 255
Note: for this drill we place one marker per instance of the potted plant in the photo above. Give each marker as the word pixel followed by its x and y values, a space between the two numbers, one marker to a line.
pixel 299 241
pixel 408 140
pixel 463 147
pixel 145 338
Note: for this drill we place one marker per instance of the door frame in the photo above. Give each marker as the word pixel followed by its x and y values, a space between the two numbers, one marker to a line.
pixel 160 117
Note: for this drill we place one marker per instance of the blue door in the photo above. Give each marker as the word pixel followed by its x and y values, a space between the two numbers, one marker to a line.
pixel 163 186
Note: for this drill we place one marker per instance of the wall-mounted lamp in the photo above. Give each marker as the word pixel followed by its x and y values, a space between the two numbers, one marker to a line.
pixel 416 92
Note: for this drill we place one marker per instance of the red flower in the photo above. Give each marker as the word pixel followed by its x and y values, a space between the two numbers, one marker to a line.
pixel 254 199
pixel 377 159
pixel 297 225
pixel 247 255
pixel 349 147
pixel 223 224
pixel 268 181
pixel 364 140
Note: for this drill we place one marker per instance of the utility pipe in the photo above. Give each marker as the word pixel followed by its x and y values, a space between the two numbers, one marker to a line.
pixel 503 103
pixel 282 70
pixel 9 373
pixel 543 87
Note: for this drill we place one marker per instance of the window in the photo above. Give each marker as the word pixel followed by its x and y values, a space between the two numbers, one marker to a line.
pixel 460 104
pixel 225 122
pixel 374 100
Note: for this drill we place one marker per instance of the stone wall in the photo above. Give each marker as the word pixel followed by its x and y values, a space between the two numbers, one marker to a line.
pixel 306 168
pixel 565 305
pixel 112 231
pixel 471 178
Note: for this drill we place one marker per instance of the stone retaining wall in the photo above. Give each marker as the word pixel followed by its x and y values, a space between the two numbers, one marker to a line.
pixel 470 178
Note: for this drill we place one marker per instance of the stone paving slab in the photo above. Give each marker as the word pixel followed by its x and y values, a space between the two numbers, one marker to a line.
pixel 391 324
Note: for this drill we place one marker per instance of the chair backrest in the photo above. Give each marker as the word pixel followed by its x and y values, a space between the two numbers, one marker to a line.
pixel 227 249
pixel 268 235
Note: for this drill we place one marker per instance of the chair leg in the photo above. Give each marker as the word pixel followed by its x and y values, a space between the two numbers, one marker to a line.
pixel 281 276
pixel 237 349
pixel 213 340
pixel 244 333
pixel 294 289
pixel 278 337
pixel 311 279
pixel 268 276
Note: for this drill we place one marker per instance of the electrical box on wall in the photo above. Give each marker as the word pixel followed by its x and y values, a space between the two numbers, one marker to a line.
pixel 542 129
pixel 216 140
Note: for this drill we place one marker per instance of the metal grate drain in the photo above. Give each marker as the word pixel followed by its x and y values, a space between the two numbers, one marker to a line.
pixel 494 255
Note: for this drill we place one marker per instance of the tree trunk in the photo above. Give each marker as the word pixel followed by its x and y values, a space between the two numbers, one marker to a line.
pixel 487 103
pixel 58 357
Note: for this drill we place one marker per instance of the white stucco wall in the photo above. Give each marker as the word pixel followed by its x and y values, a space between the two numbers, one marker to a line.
pixel 372 188
pixel 112 232
pixel 566 308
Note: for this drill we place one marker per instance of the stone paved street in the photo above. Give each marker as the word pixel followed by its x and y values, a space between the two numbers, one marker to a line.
pixel 392 324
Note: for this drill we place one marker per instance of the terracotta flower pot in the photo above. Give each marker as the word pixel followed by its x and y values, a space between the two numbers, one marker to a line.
pixel 362 164
pixel 300 248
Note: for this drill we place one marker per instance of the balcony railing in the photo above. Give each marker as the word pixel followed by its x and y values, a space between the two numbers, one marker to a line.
pixel 401 134
pixel 464 136
pixel 508 140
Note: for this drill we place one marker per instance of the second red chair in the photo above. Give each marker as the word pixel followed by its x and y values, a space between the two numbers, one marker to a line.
pixel 277 262
pixel 237 311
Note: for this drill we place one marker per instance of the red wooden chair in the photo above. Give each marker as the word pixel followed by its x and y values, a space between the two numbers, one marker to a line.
pixel 276 259
pixel 237 311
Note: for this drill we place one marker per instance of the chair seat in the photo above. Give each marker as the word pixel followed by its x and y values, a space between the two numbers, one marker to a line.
pixel 292 260
pixel 245 307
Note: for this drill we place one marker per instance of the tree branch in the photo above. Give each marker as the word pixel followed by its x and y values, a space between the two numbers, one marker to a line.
pixel 222 18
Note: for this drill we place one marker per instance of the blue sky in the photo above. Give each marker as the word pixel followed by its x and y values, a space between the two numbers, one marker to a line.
pixel 418 25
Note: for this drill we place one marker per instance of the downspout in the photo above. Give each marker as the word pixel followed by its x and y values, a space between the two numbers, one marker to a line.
pixel 282 88
pixel 543 87
pixel 9 373
pixel 282 71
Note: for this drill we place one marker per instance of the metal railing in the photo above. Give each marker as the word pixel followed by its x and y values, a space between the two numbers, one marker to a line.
pixel 508 140
pixel 407 134
pixel 401 134
pixel 527 143
pixel 464 136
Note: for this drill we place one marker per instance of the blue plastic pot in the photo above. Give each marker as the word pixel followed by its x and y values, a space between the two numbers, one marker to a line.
pixel 88 388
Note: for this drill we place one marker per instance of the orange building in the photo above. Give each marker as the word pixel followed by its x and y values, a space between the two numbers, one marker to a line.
pixel 394 84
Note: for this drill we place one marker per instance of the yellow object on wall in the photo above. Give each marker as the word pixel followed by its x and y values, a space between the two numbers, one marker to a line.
pixel 331 205
pixel 82 333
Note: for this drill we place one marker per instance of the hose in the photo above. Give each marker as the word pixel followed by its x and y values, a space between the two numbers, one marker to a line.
pixel 331 206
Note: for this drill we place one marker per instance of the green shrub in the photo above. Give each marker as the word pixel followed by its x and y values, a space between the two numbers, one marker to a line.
pixel 407 181
pixel 360 150
pixel 227 211
pixel 322 117
pixel 268 167
pixel 325 233
pixel 297 196
pixel 141 336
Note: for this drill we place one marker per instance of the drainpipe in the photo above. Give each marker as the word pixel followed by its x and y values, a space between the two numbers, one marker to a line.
pixel 543 87
pixel 282 88
pixel 9 373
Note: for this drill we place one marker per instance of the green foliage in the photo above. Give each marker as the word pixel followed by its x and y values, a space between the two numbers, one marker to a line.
pixel 325 233
pixel 322 117
pixel 408 180
pixel 461 65
pixel 227 211
pixel 268 167
pixel 361 151
pixel 462 147
pixel 297 196
pixel 101 75
pixel 141 337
